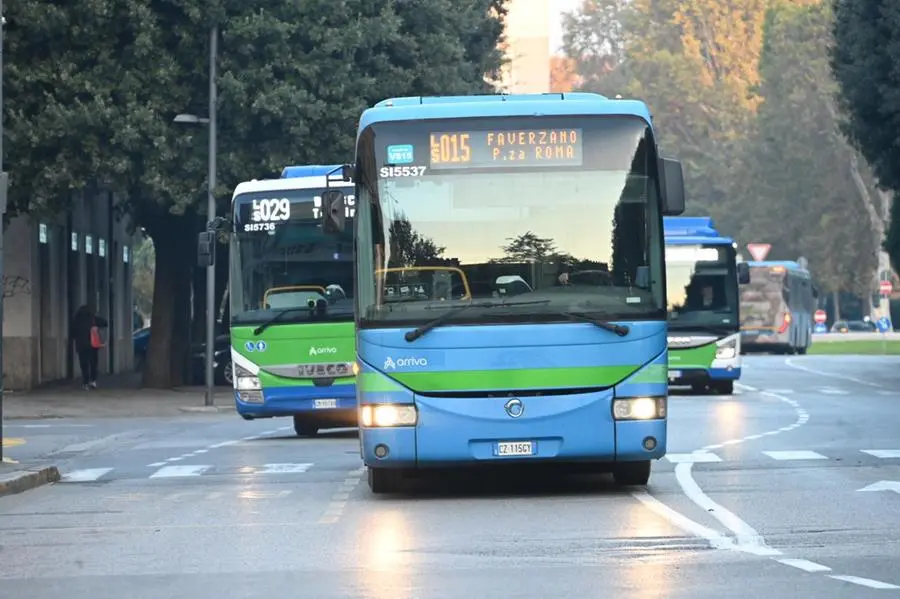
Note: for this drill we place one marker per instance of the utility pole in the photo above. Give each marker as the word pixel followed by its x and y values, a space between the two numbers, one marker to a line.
pixel 4 187
pixel 211 215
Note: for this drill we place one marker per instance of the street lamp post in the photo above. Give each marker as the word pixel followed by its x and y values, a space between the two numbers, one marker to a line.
pixel 4 182
pixel 211 206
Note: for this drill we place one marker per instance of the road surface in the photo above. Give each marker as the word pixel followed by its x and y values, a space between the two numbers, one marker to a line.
pixel 790 488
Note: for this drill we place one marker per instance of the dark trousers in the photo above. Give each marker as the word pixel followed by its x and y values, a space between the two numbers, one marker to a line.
pixel 88 358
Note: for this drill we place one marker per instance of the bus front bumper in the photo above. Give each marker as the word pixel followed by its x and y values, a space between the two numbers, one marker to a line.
pixel 577 428
pixel 337 401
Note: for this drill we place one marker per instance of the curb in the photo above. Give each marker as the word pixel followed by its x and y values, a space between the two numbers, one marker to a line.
pixel 23 480
pixel 206 409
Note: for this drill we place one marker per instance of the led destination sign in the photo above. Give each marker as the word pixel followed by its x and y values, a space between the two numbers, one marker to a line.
pixel 506 148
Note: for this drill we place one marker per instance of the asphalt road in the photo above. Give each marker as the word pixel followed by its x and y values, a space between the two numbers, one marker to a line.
pixel 212 507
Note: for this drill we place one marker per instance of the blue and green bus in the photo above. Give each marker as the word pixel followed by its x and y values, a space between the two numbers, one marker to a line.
pixel 510 277
pixel 702 278
pixel 291 294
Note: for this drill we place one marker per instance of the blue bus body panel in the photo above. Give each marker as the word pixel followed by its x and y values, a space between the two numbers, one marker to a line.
pixel 288 401
pixel 424 108
pixel 571 427
pixel 692 230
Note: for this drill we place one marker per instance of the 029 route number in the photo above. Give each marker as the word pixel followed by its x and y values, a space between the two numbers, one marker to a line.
pixel 402 171
pixel 271 210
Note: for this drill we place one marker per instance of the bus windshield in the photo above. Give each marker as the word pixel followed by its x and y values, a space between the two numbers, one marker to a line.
pixel 570 226
pixel 283 264
pixel 765 299
pixel 701 286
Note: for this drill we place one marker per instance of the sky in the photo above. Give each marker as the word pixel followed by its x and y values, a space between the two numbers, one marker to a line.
pixel 557 8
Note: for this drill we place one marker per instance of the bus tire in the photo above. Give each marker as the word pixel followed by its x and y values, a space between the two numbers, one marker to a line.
pixel 632 474
pixel 384 480
pixel 304 428
pixel 723 387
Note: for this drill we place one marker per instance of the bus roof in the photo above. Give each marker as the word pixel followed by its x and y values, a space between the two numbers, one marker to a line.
pixel 416 108
pixel 310 170
pixel 307 182
pixel 692 230
pixel 785 264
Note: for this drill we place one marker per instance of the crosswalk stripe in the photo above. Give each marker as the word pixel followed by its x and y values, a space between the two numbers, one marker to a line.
pixel 85 475
pixel 884 454
pixel 795 455
pixel 180 471
pixel 284 468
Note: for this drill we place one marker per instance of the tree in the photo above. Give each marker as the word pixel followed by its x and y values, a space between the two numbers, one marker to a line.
pixel 409 248
pixel 94 101
pixel 811 195
pixel 862 59
pixel 528 246
pixel 695 64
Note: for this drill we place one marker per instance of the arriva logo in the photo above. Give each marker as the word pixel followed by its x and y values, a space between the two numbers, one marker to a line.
pixel 318 351
pixel 390 363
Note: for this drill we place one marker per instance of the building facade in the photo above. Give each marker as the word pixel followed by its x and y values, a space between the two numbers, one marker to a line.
pixel 527 47
pixel 53 266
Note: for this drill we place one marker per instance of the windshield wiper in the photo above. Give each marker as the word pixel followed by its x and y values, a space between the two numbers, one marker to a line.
pixel 275 318
pixel 411 336
pixel 619 329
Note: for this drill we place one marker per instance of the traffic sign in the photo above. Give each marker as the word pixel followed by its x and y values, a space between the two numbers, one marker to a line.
pixel 820 316
pixel 759 251
pixel 885 287
pixel 884 325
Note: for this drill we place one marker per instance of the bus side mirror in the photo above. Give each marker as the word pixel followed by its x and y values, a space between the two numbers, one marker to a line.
pixel 743 273
pixel 206 248
pixel 333 211
pixel 672 180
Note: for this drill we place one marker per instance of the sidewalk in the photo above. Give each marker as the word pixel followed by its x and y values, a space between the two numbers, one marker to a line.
pixel 71 401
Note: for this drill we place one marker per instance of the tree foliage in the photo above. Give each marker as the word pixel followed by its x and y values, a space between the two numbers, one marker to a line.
pixel 409 247
pixel 91 101
pixel 143 268
pixel 863 60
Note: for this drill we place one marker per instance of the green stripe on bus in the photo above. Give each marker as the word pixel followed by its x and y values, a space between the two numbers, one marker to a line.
pixel 694 357
pixel 524 378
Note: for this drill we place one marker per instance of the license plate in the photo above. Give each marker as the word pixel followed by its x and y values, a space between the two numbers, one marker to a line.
pixel 515 448
pixel 324 404
pixel 674 374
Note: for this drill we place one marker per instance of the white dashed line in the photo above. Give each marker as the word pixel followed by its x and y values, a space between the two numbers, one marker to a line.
pixel 693 458
pixel 219 445
pixel 884 454
pixel 335 508
pixel 795 455
pixel 804 564
pixel 865 582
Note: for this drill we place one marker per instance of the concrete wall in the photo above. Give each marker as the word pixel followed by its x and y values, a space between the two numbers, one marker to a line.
pixel 52 267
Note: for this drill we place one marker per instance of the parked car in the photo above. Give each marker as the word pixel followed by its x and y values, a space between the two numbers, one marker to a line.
pixel 222 367
pixel 854 326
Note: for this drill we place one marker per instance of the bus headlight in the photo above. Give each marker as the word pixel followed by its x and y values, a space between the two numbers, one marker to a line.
pixel 727 348
pixel 386 415
pixel 639 408
pixel 244 380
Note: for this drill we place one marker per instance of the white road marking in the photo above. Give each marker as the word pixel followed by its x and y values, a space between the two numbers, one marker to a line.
pixel 888 392
pixel 781 391
pixel 884 454
pixel 716 539
pixel 84 476
pixel 832 391
pixel 335 508
pixel 693 458
pixel 795 455
pixel 804 564
pixel 865 582
pixel 180 471
pixel 219 445
pixel 284 468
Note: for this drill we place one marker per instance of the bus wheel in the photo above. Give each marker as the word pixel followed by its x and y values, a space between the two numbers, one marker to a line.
pixel 801 351
pixel 304 428
pixel 384 480
pixel 632 474
pixel 723 387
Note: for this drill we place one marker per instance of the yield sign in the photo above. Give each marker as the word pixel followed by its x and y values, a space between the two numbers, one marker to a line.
pixel 759 251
